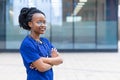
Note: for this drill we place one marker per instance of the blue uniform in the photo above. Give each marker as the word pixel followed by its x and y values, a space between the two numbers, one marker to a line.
pixel 31 51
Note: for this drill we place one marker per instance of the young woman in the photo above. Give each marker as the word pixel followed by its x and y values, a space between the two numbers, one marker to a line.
pixel 38 54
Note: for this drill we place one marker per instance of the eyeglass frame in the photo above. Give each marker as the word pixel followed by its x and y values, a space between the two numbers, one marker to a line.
pixel 40 23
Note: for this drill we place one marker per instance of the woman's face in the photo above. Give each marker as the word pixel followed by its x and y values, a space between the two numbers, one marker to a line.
pixel 38 23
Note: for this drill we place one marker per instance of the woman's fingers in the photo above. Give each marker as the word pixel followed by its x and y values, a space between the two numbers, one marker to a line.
pixel 32 66
pixel 54 49
pixel 54 52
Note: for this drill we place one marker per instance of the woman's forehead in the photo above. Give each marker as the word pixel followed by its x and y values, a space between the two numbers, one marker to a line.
pixel 38 16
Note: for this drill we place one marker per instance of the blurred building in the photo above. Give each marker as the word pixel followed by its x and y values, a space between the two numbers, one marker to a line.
pixel 73 25
pixel 119 20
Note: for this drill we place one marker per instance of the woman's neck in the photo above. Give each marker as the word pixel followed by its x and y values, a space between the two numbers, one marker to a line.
pixel 35 36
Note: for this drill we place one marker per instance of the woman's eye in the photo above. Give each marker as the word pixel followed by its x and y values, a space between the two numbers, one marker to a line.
pixel 41 23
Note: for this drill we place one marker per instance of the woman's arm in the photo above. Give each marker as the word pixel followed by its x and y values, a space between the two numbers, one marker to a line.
pixel 44 64
pixel 55 58
pixel 41 66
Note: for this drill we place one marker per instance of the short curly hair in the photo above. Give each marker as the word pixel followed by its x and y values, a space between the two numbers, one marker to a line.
pixel 26 16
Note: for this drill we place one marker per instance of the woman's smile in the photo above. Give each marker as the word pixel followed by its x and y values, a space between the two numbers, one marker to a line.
pixel 42 29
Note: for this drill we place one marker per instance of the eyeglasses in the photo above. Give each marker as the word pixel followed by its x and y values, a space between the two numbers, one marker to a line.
pixel 40 23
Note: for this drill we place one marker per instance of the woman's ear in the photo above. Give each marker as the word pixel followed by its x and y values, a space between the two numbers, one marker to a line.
pixel 30 24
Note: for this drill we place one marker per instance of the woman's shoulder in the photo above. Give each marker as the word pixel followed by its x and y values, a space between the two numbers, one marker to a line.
pixel 27 41
pixel 44 39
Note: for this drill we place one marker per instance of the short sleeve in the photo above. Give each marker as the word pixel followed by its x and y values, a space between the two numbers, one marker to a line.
pixel 29 52
pixel 48 43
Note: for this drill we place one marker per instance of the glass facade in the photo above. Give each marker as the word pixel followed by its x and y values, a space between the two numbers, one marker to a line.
pixel 73 25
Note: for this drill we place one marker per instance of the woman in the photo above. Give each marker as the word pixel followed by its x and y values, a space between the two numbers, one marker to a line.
pixel 39 55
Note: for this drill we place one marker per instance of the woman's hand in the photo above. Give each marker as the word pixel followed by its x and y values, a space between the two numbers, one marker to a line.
pixel 54 52
pixel 32 66
pixel 55 57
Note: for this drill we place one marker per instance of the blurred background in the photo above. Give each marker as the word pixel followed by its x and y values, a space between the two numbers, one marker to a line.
pixel 73 25
pixel 91 26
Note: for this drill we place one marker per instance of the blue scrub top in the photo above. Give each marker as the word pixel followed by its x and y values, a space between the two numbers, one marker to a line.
pixel 31 51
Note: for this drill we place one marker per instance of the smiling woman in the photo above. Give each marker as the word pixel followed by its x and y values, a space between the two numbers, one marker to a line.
pixel 39 55
pixel 38 23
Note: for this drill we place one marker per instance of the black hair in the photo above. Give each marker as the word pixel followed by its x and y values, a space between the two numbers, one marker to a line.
pixel 26 16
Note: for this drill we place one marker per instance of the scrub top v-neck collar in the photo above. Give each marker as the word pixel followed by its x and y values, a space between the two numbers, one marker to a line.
pixel 42 47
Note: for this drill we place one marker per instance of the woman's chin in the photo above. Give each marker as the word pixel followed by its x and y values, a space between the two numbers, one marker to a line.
pixel 42 32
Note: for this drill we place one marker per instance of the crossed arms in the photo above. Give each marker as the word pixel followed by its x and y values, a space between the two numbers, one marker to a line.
pixel 43 64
